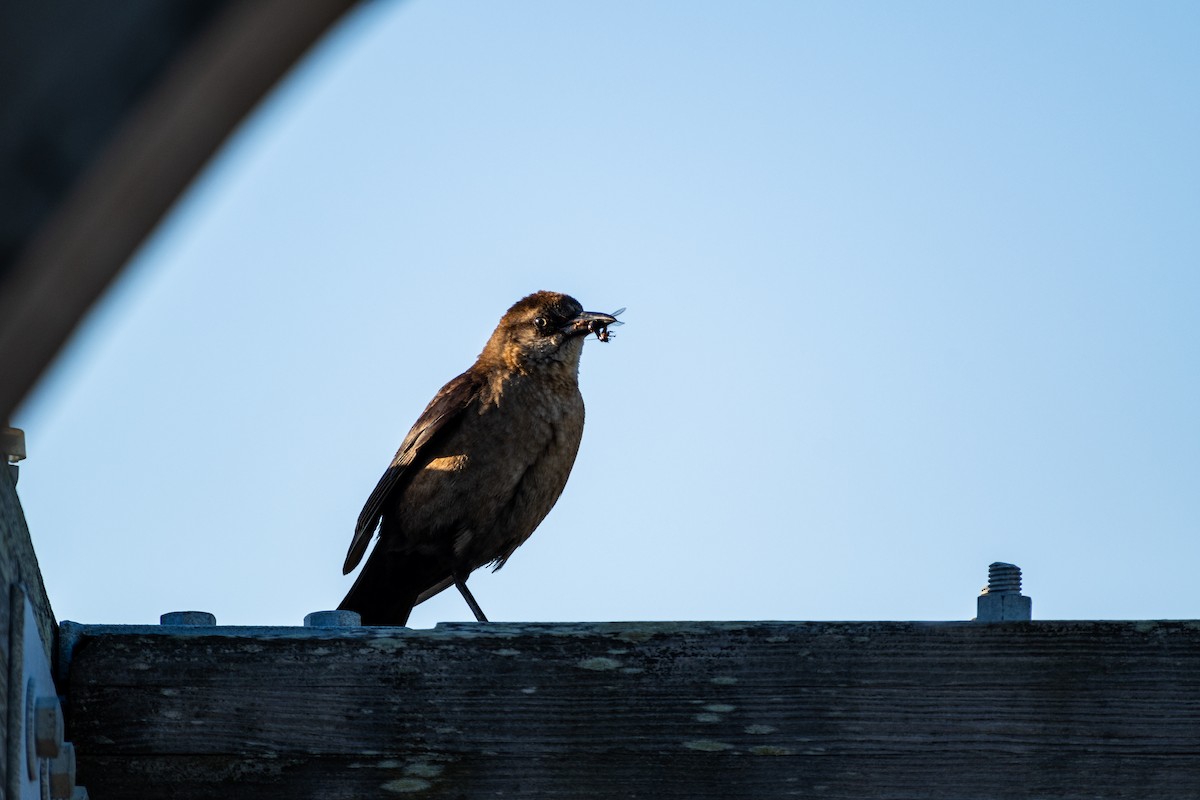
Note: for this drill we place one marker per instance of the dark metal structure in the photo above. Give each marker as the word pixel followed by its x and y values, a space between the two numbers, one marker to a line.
pixel 107 111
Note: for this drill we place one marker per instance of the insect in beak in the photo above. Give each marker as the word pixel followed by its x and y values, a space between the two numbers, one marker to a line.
pixel 593 322
pixel 602 333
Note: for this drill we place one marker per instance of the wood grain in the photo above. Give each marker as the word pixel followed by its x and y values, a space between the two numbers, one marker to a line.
pixel 698 710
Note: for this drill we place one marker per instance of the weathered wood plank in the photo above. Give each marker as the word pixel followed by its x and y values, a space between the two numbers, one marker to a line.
pixel 833 710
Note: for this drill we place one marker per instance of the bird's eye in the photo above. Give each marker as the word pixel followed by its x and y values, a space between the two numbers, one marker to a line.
pixel 540 323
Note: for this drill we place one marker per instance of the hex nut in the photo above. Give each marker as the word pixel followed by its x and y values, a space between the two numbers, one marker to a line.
pixel 193 618
pixel 47 727
pixel 62 773
pixel 332 619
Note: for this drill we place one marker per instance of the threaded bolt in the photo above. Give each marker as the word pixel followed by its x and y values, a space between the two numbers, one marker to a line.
pixel 1003 579
pixel 1001 600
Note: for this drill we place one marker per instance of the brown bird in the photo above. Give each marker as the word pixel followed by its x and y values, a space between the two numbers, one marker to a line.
pixel 482 466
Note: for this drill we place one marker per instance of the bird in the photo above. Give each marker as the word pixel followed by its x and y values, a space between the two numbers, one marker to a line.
pixel 481 467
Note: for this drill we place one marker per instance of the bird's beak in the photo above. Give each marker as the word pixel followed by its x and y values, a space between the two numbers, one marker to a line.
pixel 588 322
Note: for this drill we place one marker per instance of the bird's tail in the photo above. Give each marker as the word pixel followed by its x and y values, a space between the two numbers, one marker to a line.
pixel 390 584
pixel 381 594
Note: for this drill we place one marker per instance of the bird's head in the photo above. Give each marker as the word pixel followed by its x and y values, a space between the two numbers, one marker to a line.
pixel 543 328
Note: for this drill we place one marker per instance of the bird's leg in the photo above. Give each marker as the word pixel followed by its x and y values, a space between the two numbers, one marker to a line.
pixel 461 583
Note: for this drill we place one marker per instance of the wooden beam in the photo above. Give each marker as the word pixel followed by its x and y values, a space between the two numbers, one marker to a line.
pixel 658 710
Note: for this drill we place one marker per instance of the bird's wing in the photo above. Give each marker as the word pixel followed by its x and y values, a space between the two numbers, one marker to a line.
pixel 441 415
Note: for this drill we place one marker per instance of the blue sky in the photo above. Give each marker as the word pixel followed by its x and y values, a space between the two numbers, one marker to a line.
pixel 911 289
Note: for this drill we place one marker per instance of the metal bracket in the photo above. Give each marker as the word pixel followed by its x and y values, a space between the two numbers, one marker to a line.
pixel 41 765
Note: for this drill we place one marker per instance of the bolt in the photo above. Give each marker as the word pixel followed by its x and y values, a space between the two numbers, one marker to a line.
pixel 1003 579
pixel 1001 600
pixel 43 727
pixel 47 727
pixel 332 619
pixel 190 618
pixel 12 444
pixel 62 773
